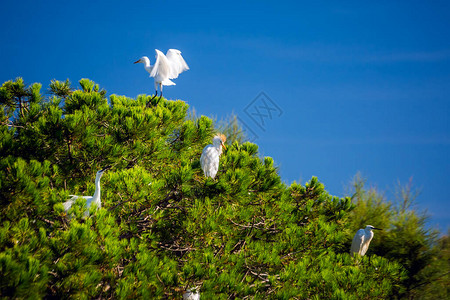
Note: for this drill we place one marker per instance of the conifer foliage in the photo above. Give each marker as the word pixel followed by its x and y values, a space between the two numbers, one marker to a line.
pixel 163 226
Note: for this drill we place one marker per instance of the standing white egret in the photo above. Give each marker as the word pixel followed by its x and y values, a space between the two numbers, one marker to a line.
pixel 361 240
pixel 211 154
pixel 191 295
pixel 95 199
pixel 166 67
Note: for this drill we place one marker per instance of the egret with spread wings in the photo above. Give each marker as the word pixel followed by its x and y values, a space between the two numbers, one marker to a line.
pixel 166 67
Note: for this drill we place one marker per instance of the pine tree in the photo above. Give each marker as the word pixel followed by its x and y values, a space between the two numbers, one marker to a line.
pixel 163 226
pixel 405 239
pixel 436 275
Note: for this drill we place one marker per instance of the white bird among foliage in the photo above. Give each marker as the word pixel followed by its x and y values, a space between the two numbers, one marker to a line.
pixel 191 295
pixel 361 240
pixel 166 67
pixel 95 199
pixel 211 154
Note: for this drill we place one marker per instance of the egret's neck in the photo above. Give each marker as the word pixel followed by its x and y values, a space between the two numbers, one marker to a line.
pixel 218 146
pixel 147 65
pixel 369 232
pixel 96 197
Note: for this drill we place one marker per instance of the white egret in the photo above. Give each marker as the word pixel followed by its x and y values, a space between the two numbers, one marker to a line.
pixel 361 240
pixel 211 154
pixel 191 295
pixel 166 67
pixel 95 199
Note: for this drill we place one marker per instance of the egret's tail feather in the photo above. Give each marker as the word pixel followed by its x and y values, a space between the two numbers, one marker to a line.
pixel 168 82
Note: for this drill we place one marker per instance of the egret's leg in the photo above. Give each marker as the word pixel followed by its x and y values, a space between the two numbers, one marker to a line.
pixel 148 103
pixel 156 91
pixel 160 88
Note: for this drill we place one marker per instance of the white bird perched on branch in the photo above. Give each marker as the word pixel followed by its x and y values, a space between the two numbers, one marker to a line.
pixel 211 154
pixel 191 295
pixel 166 67
pixel 95 199
pixel 361 240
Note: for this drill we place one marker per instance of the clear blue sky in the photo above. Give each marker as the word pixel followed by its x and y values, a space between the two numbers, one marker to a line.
pixel 361 86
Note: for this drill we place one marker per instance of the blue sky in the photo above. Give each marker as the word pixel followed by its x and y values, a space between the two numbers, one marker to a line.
pixel 360 86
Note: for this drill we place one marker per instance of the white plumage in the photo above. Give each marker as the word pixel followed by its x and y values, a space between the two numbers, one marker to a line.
pixel 361 240
pixel 191 295
pixel 166 67
pixel 211 154
pixel 95 199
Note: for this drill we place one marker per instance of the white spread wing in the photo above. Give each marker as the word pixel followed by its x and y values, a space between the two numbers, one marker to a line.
pixel 357 243
pixel 177 63
pixel 161 68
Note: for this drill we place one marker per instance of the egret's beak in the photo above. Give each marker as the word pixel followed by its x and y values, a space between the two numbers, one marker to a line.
pixel 223 145
pixel 106 168
pixel 138 61
pixel 377 228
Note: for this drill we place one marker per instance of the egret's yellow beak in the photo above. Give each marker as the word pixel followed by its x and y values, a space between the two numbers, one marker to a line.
pixel 223 145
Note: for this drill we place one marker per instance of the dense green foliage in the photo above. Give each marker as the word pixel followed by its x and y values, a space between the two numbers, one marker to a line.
pixel 163 226
pixel 406 239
